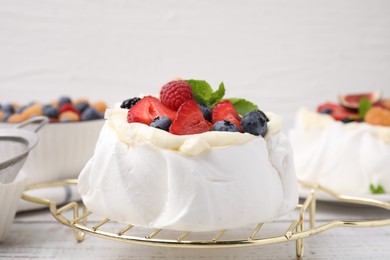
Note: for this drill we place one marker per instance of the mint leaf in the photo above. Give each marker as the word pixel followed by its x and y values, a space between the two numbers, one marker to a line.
pixel 243 106
pixel 364 106
pixel 202 91
pixel 217 95
pixel 377 190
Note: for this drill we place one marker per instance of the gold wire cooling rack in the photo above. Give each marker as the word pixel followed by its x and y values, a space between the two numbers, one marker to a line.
pixel 296 231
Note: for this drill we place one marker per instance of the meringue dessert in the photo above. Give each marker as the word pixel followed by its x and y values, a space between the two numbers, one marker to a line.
pixel 191 174
pixel 344 149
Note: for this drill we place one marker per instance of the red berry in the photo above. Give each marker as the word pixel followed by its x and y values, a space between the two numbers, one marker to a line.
pixel 225 110
pixel 175 93
pixel 189 120
pixel 67 107
pixel 147 109
pixel 338 112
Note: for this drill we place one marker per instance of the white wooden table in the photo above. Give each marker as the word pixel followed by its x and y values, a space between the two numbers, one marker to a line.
pixel 37 235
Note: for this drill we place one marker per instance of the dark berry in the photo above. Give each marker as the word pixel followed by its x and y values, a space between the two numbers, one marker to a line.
pixel 225 126
pixel 8 108
pixel 90 114
pixel 81 106
pixel 21 109
pixel 6 116
pixel 326 111
pixel 255 122
pixel 64 100
pixel 206 111
pixel 347 120
pixel 161 122
pixel 128 103
pixel 50 111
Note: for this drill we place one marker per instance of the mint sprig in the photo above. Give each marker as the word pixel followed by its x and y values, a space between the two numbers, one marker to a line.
pixel 364 105
pixel 204 94
pixel 243 106
pixel 377 189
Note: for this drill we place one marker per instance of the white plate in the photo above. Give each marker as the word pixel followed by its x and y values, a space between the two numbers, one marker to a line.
pixel 323 196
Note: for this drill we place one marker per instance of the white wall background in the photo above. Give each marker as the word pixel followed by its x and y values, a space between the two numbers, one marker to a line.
pixel 278 54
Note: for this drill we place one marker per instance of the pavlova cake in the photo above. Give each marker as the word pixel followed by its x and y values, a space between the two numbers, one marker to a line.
pixel 345 146
pixel 190 160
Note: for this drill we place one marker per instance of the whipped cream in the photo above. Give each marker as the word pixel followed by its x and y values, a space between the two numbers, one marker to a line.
pixel 347 158
pixel 214 180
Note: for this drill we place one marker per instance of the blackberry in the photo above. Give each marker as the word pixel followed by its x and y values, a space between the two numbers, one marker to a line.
pixel 128 103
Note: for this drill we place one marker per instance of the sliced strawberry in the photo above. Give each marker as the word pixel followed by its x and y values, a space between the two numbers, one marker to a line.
pixel 338 112
pixel 189 120
pixel 225 110
pixel 147 109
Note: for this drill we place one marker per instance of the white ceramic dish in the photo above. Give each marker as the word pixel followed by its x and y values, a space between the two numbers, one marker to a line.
pixel 62 151
pixel 10 197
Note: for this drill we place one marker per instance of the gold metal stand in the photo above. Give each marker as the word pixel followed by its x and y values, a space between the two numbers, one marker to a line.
pixel 295 232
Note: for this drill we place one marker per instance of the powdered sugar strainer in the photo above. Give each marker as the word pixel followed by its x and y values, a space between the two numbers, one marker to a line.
pixel 15 144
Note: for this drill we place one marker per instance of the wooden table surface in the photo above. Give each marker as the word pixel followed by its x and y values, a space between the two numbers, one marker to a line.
pixel 37 235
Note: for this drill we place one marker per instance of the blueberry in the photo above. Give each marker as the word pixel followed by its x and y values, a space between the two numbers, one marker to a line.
pixel 255 122
pixel 21 109
pixel 206 111
pixel 90 114
pixel 8 108
pixel 347 120
pixel 128 103
pixel 81 106
pixel 161 122
pixel 64 100
pixel 225 126
pixel 6 116
pixel 326 111
pixel 50 111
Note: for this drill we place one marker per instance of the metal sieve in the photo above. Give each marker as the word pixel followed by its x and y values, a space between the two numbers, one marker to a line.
pixel 15 144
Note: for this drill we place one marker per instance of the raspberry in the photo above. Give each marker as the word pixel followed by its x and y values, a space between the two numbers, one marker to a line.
pixel 175 93
pixel 378 116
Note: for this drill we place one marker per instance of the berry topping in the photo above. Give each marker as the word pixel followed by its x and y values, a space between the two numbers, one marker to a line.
pixel 225 126
pixel 255 122
pixel 336 111
pixel 90 114
pixel 64 100
pixel 161 122
pixel 378 116
pixel 225 110
pixel 81 106
pixel 147 109
pixel 352 101
pixel 50 111
pixel 175 93
pixel 189 120
pixel 206 111
pixel 129 103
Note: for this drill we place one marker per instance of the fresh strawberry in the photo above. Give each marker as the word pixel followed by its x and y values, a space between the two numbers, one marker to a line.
pixel 338 112
pixel 189 120
pixel 175 93
pixel 225 110
pixel 147 109
pixel 67 107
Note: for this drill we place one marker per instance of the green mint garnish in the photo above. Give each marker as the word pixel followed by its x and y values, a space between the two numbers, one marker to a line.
pixel 203 93
pixel 364 106
pixel 243 106
pixel 377 190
